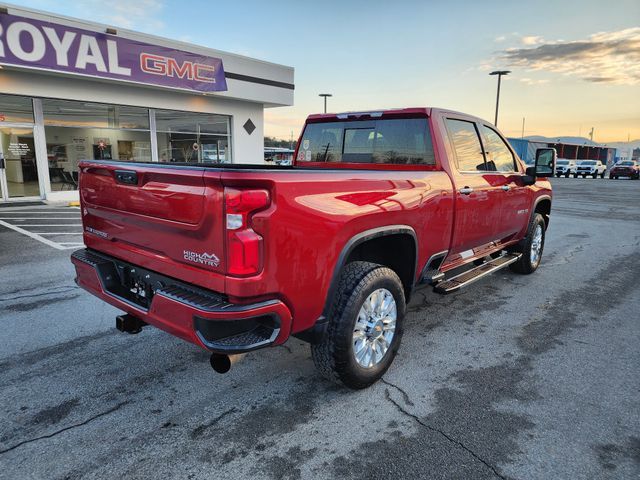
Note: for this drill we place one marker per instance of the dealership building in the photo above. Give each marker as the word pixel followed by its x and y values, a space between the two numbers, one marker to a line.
pixel 72 90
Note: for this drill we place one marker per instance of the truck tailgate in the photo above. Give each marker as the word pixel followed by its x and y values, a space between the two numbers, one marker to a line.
pixel 164 218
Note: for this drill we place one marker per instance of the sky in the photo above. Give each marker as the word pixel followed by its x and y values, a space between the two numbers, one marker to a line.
pixel 575 64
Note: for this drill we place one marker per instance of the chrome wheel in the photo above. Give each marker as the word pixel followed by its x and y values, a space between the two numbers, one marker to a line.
pixel 536 245
pixel 374 328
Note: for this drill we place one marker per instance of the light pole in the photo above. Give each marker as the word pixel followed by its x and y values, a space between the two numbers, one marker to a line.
pixel 500 73
pixel 325 95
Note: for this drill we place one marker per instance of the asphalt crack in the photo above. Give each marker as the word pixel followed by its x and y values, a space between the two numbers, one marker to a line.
pixel 42 294
pixel 442 433
pixel 405 395
pixel 70 427
pixel 199 430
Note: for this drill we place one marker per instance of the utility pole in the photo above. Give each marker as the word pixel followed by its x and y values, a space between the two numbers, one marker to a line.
pixel 591 134
pixel 499 73
pixel 325 95
pixel 522 128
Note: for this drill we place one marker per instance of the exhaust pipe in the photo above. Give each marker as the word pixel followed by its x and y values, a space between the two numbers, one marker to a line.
pixel 129 324
pixel 220 363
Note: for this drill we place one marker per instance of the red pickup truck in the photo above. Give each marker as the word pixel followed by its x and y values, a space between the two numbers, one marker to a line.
pixel 238 257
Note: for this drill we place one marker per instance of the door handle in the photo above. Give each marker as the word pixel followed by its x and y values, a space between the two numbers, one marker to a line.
pixel 466 190
pixel 506 188
pixel 128 177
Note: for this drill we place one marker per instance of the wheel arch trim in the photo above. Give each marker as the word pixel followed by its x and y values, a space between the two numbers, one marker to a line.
pixel 537 202
pixel 361 238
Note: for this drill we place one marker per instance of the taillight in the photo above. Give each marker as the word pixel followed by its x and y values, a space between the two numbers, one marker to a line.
pixel 244 246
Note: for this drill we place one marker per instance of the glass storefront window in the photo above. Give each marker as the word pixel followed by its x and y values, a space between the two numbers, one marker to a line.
pixel 173 121
pixel 64 113
pixel 193 148
pixel 20 169
pixel 77 131
pixel 14 109
pixel 192 137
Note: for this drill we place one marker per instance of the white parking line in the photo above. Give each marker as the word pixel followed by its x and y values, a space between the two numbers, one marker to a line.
pixel 32 210
pixel 46 225
pixel 35 236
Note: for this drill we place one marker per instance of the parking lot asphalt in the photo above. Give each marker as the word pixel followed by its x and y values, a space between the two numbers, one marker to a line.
pixel 528 377
pixel 58 227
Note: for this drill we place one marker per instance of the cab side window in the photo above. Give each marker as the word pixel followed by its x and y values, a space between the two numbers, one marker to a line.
pixel 466 144
pixel 499 157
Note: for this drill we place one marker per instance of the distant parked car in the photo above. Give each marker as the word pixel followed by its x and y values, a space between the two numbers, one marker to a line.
pixel 565 167
pixel 627 168
pixel 592 168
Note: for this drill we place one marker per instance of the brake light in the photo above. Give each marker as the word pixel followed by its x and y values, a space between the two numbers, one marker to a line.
pixel 244 246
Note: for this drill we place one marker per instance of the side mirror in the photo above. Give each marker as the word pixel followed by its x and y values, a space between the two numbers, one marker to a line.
pixel 545 162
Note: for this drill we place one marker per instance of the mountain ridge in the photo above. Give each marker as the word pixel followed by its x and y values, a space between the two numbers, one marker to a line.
pixel 584 141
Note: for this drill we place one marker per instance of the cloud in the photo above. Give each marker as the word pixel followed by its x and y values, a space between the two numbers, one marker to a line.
pixel 532 81
pixel 605 57
pixel 139 15
pixel 531 40
pixel 500 38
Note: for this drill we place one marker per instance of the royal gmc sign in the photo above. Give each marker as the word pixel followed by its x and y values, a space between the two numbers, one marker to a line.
pixel 34 44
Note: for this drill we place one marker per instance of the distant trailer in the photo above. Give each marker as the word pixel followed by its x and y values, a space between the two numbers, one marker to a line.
pixel 526 150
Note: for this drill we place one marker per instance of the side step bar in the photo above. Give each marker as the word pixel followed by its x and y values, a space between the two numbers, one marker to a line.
pixel 466 278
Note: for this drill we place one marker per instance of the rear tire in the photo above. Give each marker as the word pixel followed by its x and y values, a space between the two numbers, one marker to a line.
pixel 566 175
pixel 602 175
pixel 531 247
pixel 335 356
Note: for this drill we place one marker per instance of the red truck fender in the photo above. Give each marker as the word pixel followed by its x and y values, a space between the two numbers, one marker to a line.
pixel 405 270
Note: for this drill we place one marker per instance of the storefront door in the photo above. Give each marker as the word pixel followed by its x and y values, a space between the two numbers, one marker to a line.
pixel 18 169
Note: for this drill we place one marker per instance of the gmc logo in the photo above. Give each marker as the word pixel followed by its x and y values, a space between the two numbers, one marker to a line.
pixel 169 67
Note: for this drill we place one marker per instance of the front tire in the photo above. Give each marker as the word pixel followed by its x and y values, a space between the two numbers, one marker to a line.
pixel 365 326
pixel 531 247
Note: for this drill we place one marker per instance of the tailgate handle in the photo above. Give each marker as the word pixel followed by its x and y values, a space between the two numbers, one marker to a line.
pixel 128 177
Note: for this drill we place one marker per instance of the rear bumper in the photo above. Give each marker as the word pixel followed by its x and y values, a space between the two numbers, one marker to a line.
pixel 199 316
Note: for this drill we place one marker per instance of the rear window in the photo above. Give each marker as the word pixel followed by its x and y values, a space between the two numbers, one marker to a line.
pixel 626 164
pixel 587 163
pixel 562 162
pixel 392 141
